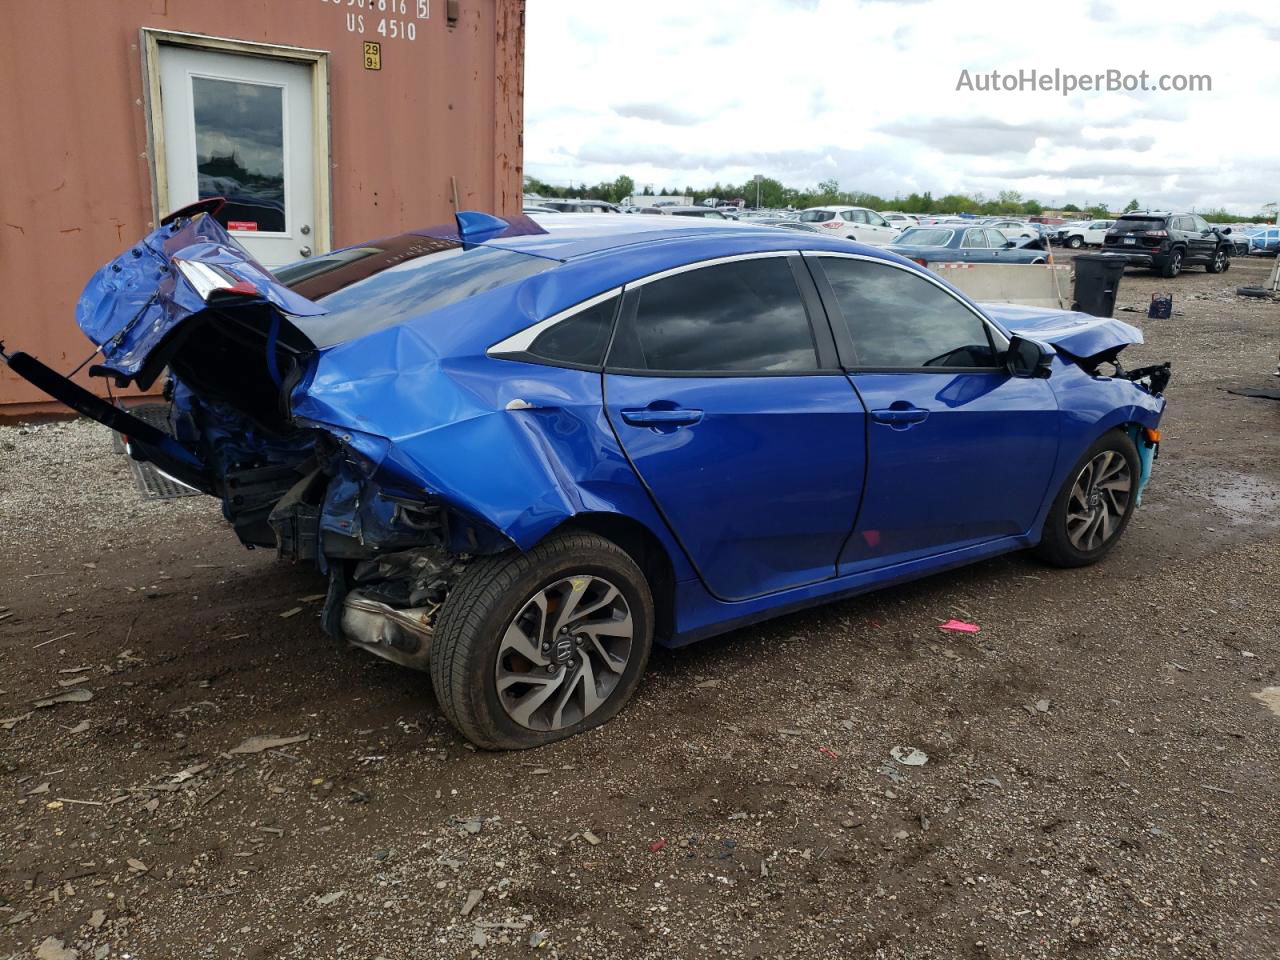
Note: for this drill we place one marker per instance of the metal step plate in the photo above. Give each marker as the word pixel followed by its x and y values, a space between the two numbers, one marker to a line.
pixel 152 484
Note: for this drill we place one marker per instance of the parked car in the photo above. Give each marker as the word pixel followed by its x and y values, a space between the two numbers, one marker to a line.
pixel 522 455
pixel 1264 241
pixel 1082 232
pixel 900 220
pixel 1015 229
pixel 1167 242
pixel 581 206
pixel 538 208
pixel 706 213
pixel 957 243
pixel 852 223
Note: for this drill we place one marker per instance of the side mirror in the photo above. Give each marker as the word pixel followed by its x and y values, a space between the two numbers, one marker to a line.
pixel 1010 243
pixel 1224 231
pixel 1027 359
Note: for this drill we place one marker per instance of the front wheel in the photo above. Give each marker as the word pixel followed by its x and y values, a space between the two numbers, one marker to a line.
pixel 530 648
pixel 1075 243
pixel 1094 505
pixel 1220 261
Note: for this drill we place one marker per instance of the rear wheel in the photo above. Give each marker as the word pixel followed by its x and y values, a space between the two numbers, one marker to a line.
pixel 534 647
pixel 1173 266
pixel 1094 505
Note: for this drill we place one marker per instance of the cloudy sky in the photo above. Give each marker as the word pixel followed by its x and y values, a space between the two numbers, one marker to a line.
pixel 865 91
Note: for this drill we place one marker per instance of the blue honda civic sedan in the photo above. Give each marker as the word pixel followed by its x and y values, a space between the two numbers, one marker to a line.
pixel 522 454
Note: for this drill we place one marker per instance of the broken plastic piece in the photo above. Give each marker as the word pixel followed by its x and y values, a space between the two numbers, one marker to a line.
pixel 959 626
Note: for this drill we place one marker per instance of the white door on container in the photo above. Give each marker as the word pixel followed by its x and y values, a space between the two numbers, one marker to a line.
pixel 241 127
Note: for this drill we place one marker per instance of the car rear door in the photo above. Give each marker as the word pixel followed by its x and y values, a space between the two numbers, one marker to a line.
pixel 723 387
pixel 958 451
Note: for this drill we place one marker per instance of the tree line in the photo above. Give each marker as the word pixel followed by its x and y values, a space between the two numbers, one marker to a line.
pixel 773 194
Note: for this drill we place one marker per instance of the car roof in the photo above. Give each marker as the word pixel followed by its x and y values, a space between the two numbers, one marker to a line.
pixel 835 206
pixel 567 236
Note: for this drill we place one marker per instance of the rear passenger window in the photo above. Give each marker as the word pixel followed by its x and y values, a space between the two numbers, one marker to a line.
pixel 898 319
pixel 745 317
pixel 579 340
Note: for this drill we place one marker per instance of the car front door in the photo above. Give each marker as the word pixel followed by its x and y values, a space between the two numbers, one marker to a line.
pixel 884 231
pixel 723 387
pixel 959 452
pixel 1205 239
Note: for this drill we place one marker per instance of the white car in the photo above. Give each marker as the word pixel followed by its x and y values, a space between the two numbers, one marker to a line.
pixel 900 220
pixel 854 223
pixel 1076 235
pixel 1014 229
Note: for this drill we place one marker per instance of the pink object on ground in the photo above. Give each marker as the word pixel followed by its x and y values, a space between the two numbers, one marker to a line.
pixel 959 626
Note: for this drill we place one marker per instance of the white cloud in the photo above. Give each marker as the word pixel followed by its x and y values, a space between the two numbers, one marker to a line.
pixel 866 92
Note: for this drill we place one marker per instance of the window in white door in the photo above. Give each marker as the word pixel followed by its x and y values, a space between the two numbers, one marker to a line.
pixel 239 130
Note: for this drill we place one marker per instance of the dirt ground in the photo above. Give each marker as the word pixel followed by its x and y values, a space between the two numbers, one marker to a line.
pixel 1103 774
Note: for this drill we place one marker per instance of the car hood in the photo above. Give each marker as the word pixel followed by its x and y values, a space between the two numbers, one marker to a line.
pixel 1075 334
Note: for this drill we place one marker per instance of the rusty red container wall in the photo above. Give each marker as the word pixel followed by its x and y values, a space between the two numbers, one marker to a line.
pixel 75 172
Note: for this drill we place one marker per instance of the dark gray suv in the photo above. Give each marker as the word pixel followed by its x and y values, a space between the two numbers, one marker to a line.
pixel 1167 242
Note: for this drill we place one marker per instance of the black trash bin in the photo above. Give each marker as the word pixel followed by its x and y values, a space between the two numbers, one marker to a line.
pixel 1097 282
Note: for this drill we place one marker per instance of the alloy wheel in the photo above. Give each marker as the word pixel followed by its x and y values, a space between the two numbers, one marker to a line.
pixel 564 652
pixel 1099 500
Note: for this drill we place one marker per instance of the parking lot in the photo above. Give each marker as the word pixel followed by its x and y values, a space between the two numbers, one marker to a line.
pixel 1101 757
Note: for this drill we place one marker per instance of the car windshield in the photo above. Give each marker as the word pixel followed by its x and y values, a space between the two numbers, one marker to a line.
pixel 923 237
pixel 370 288
pixel 1138 224
pixel 816 216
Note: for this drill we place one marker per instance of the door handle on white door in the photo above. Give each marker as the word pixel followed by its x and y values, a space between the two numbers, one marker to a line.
pixel 305 251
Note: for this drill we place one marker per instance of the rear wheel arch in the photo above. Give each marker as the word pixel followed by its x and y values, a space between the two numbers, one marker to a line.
pixel 646 549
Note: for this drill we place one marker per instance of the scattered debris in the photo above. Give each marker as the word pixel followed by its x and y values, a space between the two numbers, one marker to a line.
pixel 909 756
pixel 80 727
pixel 707 684
pixel 657 845
pixel 294 611
pixel 591 838
pixel 97 919
pixel 267 742
pixel 959 626
pixel 329 898
pixel 71 696
pixel 137 866
pixel 52 949
pixel 473 898
pixel 10 722
pixel 539 939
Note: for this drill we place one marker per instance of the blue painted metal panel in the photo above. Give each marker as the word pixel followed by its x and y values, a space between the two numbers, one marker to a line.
pixel 759 477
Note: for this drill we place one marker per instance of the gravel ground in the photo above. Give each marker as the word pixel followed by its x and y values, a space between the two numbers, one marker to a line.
pixel 1101 775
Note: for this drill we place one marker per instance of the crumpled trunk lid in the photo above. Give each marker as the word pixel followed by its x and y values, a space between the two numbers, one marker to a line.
pixel 187 266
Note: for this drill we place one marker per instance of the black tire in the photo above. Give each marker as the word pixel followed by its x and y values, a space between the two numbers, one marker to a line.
pixel 1259 293
pixel 1221 261
pixel 1055 545
pixel 1173 266
pixel 1075 243
pixel 484 602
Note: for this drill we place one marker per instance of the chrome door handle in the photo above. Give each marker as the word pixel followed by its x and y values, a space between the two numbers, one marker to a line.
pixel 305 251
